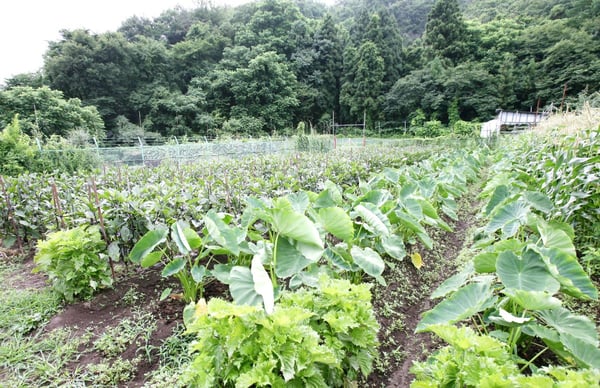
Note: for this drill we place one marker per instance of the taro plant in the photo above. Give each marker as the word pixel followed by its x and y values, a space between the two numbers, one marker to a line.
pixel 511 289
pixel 179 252
pixel 319 337
pixel 480 360
pixel 75 262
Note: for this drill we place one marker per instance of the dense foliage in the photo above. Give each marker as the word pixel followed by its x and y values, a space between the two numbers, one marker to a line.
pixel 265 66
pixel 526 265
pixel 321 337
pixel 74 261
pixel 21 154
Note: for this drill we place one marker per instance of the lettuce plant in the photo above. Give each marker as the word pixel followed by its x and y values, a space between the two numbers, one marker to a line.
pixel 321 337
pixel 74 261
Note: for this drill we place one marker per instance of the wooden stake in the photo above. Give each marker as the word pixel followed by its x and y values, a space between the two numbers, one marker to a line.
pixel 60 221
pixel 102 228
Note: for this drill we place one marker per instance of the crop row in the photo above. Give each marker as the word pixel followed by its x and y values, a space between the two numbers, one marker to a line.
pixel 132 199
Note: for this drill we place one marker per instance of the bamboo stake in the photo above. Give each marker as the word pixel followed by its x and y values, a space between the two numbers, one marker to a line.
pixel 102 228
pixel 58 209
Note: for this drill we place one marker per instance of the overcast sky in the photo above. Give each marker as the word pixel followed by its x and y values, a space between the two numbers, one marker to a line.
pixel 26 26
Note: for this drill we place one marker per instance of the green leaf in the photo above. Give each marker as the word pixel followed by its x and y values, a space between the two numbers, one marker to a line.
pixel 538 201
pixel 262 284
pixel 290 260
pixel 226 236
pixel 453 283
pixel 373 219
pixel 584 352
pixel 147 244
pixel 565 322
pixel 567 270
pixel 525 273
pixel 509 218
pixel 533 300
pixel 464 303
pixel 241 287
pixel 198 273
pixel 336 221
pixel 299 201
pixel 173 267
pixel 180 240
pixel 114 252
pixel 297 226
pixel 368 260
pixel 324 199
pixel 222 272
pixel 485 262
pixel 500 194
pixel 556 238
pixel 151 259
pixel 165 294
pixel 194 241
pixel 394 246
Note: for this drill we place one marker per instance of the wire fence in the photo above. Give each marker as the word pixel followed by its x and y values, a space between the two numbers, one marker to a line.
pixel 186 151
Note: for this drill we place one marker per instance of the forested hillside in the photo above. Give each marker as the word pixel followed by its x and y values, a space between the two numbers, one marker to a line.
pixel 263 67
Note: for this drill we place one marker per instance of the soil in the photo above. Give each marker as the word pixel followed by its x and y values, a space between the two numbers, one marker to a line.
pixel 408 292
pixel 398 308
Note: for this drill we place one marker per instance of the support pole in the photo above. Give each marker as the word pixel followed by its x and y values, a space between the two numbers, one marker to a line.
pixel 364 128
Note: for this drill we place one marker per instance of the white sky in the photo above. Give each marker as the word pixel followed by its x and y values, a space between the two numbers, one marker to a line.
pixel 26 26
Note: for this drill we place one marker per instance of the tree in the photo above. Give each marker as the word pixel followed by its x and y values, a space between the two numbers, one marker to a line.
pixel 362 93
pixel 446 33
pixel 46 112
pixel 201 50
pixel 266 89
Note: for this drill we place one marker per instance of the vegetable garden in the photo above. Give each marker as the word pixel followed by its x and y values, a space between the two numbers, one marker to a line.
pixel 470 265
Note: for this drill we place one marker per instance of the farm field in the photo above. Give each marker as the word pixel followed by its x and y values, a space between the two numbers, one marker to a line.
pixel 310 269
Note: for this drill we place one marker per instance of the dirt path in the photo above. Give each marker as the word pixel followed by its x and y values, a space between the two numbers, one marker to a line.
pixel 399 306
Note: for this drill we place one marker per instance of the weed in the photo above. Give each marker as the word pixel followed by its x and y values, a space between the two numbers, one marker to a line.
pixel 113 373
pixel 131 297
pixel 115 340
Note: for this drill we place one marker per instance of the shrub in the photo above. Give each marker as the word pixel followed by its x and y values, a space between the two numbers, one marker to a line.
pixel 74 262
pixel 323 337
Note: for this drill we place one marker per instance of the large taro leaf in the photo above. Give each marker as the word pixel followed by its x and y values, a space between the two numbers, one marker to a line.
pixel 262 284
pixel 533 300
pixel 500 194
pixel 586 354
pixel 508 217
pixel 173 267
pixel 368 260
pixel 464 303
pixel 414 225
pixel 565 322
pixel 454 282
pixel 485 262
pixel 147 244
pixel 555 237
pixel 527 272
pixel 226 236
pixel 394 246
pixel 299 201
pixel 538 201
pixel 300 228
pixel 336 221
pixel 567 270
pixel 179 237
pixel 241 287
pixel 290 260
pixel 373 219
